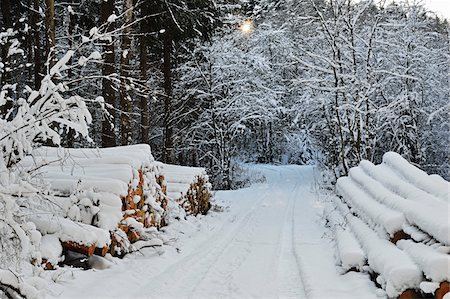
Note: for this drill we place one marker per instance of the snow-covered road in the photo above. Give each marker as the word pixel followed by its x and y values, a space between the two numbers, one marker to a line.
pixel 270 242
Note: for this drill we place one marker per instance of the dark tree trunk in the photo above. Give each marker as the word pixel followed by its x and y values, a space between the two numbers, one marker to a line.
pixel 125 99
pixel 5 6
pixel 143 61
pixel 51 35
pixel 70 133
pixel 108 93
pixel 168 154
pixel 37 46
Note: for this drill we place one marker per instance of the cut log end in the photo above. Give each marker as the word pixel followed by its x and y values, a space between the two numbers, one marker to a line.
pixel 410 294
pixel 47 265
pixel 400 235
pixel 444 288
pixel 80 248
pixel 101 251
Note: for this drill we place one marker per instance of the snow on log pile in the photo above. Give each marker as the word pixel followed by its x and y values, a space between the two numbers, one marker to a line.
pixel 189 186
pixel 396 216
pixel 102 200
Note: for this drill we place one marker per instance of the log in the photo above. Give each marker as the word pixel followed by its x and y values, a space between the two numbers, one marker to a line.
pixel 162 183
pixel 133 236
pixel 444 288
pixel 101 251
pixel 400 235
pixel 410 294
pixel 80 248
pixel 46 265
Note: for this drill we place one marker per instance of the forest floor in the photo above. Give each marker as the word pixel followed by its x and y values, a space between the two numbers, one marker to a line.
pixel 269 242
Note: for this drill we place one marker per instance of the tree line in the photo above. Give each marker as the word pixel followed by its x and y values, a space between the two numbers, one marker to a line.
pixel 328 81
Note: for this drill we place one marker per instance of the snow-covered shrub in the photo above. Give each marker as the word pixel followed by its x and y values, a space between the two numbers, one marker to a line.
pixel 30 117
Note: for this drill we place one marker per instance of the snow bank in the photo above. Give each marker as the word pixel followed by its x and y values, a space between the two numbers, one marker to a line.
pixel 70 231
pixel 432 185
pixel 435 265
pixel 429 214
pixel 396 268
pixel 368 208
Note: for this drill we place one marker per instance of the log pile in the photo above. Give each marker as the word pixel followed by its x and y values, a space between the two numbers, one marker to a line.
pixel 113 190
pixel 392 218
pixel 189 186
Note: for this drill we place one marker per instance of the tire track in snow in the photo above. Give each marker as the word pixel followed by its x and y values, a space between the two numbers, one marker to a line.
pixel 290 282
pixel 191 270
pixel 315 255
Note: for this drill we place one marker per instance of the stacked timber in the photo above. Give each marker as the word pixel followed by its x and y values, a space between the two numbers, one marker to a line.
pixel 101 200
pixel 189 186
pixel 392 220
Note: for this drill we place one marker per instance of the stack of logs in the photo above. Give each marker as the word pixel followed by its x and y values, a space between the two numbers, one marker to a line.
pixel 196 201
pixel 390 190
pixel 189 186
pixel 143 205
pixel 134 206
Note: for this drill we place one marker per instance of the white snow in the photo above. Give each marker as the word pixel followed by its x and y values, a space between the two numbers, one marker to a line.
pixel 90 183
pixel 268 243
pixel 26 289
pixel 397 270
pixel 427 213
pixel 429 287
pixel 51 248
pixel 350 253
pixel 134 155
pixel 434 264
pixel 368 208
pixel 67 230
pixel 431 184
pixel 179 178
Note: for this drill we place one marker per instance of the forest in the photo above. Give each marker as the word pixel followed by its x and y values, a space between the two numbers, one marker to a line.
pixel 209 83
pixel 128 128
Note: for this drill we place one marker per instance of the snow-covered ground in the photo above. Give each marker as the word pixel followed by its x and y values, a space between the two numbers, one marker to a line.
pixel 269 242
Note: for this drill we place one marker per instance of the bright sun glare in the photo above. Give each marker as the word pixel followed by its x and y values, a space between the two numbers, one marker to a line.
pixel 247 26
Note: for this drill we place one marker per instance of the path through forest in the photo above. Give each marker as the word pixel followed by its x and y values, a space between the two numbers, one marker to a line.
pixel 270 242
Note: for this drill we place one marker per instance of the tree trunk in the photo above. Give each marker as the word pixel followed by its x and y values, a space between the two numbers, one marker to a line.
pixel 35 18
pixel 125 99
pixel 108 93
pixel 51 35
pixel 168 155
pixel 143 65
pixel 5 6
pixel 70 132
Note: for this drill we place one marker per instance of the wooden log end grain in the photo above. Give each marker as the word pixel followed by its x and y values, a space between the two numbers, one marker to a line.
pixel 46 265
pixel 101 251
pixel 410 294
pixel 444 288
pixel 133 236
pixel 400 235
pixel 80 248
